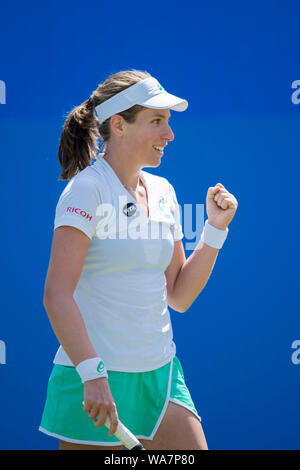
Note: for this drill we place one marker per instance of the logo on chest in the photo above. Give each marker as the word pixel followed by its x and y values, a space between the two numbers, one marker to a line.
pixel 161 204
pixel 129 209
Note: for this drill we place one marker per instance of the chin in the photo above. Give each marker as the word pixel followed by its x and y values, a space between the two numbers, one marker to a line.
pixel 152 164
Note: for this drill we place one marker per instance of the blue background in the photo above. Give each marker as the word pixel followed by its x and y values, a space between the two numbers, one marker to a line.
pixel 235 63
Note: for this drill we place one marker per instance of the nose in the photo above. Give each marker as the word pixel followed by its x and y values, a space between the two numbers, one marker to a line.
pixel 168 134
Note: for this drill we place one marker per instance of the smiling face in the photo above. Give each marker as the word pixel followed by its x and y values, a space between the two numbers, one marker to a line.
pixel 146 138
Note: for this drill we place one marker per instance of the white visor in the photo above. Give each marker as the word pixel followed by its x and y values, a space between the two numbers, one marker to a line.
pixel 148 93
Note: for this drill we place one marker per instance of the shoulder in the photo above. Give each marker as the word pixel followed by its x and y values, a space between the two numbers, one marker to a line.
pixel 85 183
pixel 80 203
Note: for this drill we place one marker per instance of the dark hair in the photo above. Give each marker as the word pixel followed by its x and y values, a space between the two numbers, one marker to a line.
pixel 78 144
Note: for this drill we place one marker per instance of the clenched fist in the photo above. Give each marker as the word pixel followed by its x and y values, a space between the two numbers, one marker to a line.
pixel 220 206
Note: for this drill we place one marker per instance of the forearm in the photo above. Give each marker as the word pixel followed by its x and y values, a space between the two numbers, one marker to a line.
pixel 194 274
pixel 69 327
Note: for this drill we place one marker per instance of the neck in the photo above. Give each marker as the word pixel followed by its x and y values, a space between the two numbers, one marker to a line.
pixel 126 170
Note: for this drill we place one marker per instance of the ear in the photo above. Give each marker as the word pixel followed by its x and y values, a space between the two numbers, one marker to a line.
pixel 117 124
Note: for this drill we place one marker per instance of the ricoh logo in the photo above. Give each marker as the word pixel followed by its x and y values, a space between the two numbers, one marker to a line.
pixel 2 92
pixel 79 212
pixel 2 352
pixel 296 94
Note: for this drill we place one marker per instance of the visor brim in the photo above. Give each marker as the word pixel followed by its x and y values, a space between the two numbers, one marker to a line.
pixel 165 101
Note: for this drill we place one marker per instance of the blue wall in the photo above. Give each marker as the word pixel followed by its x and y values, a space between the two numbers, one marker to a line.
pixel 235 62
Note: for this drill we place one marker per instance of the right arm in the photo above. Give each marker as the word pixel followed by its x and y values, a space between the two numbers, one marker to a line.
pixel 69 248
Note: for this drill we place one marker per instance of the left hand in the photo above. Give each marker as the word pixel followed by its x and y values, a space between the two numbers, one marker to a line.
pixel 220 206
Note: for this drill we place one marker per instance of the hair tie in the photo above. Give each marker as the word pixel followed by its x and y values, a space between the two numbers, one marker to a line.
pixel 90 104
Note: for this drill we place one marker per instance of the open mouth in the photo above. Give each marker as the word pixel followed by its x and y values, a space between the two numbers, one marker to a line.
pixel 158 149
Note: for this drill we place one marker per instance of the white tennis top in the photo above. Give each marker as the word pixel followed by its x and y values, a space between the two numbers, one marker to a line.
pixel 122 292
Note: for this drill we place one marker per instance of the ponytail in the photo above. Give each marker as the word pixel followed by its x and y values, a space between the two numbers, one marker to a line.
pixel 78 140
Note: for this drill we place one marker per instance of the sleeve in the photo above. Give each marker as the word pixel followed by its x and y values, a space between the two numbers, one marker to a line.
pixel 79 206
pixel 176 212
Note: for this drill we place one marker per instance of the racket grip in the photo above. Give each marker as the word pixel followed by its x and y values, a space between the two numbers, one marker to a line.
pixel 125 436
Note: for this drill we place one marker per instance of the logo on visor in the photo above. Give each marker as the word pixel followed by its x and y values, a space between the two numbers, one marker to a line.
pixel 159 86
pixel 129 209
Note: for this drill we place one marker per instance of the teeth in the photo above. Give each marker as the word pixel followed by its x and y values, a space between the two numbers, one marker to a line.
pixel 158 148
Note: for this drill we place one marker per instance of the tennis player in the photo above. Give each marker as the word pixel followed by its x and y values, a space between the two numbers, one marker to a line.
pixel 117 263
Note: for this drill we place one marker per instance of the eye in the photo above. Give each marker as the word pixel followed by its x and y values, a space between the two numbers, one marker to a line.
pixel 156 120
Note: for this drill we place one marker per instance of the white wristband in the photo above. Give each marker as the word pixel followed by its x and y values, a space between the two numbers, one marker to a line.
pixel 91 369
pixel 213 236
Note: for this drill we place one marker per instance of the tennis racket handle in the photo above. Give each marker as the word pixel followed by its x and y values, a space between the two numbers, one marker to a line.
pixel 125 436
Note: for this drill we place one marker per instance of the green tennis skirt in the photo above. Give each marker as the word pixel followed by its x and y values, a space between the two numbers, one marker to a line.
pixel 141 399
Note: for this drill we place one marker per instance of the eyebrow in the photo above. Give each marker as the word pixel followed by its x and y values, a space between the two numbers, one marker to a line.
pixel 160 115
